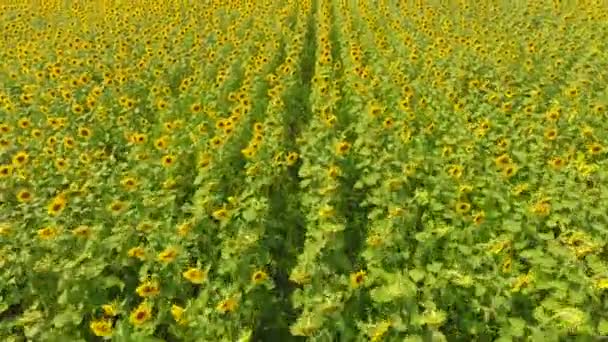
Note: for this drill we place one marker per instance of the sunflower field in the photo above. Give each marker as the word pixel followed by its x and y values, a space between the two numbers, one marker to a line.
pixel 303 170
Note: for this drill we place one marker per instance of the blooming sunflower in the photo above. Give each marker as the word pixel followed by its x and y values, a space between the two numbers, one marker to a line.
pixel 141 314
pixel 195 275
pixel 102 327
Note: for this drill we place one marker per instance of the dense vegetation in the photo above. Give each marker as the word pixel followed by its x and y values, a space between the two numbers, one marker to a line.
pixel 303 170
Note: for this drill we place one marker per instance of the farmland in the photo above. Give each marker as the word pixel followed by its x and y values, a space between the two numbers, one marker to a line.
pixel 303 170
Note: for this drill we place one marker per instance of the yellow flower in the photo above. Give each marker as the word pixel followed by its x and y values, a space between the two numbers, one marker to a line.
pixel 168 160
pixel 292 158
pixel 168 255
pixel 259 277
pixel 502 161
pixel 57 205
pixel 333 171
pixel 20 159
pixel 148 289
pixel 110 310
pixel 117 207
pixel 84 132
pixel 5 170
pixel 541 208
pixel 24 196
pixel 357 279
pixel 509 171
pixel 141 314
pixel 5 229
pixel 221 214
pixel 479 217
pixel 129 183
pixel 102 328
pixel 47 233
pixel 178 312
pixel 227 305
pixel 137 252
pixel 161 143
pixel 595 148
pixel 521 282
pixel 342 148
pixel 602 284
pixel 327 211
pixel 184 228
pixel 82 231
pixel 380 331
pixel 463 207
pixel 195 275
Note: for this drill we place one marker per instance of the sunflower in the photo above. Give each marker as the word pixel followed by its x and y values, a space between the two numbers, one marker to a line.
pixel 388 123
pixel 357 279
pixel 221 214
pixel 148 289
pixel 541 208
pixel 24 196
pixel 342 148
pixel 195 108
pixel 4 128
pixel 375 110
pixel 61 164
pixel 139 138
pixel 129 183
pixel 509 170
pixel 463 207
pixel 47 233
pixel 4 143
pixel 20 158
pixel 137 252
pixel 479 217
pixel 456 171
pixel 141 314
pixel 557 163
pixel 195 275
pixel 227 305
pixel 248 152
pixel 110 309
pixel 5 170
pixel 502 161
pixel 84 132
pixel 117 207
pixel 57 205
pixel 168 160
pixel 292 158
pixel 167 255
pixel 161 143
pixel 102 327
pixel 24 123
pixel 551 134
pixel 216 142
pixel 77 109
pixel 68 142
pixel 595 148
pixel 82 231
pixel 259 277
pixel 36 133
pixel 178 313
pixel 333 171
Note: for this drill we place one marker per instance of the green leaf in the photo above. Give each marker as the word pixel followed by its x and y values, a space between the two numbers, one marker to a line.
pixel 249 214
pixel 602 327
pixel 111 281
pixel 416 274
pixel 434 267
pixel 69 316
pixel 518 327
